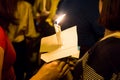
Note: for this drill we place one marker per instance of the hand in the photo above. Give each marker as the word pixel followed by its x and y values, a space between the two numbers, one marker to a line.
pixel 71 61
pixel 51 71
pixel 68 76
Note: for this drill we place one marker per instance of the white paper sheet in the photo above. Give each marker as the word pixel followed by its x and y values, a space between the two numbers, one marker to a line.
pixel 55 51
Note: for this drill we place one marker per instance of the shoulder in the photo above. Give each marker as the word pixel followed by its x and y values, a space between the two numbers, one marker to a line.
pixel 23 8
pixel 109 42
pixel 106 50
pixel 23 5
pixel 107 47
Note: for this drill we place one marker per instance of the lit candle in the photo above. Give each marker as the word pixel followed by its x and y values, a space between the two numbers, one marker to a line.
pixel 58 29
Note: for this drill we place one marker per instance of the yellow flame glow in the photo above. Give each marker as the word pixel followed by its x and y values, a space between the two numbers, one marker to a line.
pixel 60 18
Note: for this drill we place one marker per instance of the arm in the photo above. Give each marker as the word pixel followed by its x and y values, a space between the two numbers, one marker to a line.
pixel 30 30
pixel 1 61
pixel 51 71
pixel 44 5
pixel 53 9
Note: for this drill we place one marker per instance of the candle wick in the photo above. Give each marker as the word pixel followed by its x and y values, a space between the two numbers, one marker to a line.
pixel 55 22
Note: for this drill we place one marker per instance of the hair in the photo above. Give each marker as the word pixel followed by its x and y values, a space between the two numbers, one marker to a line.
pixel 7 11
pixel 110 15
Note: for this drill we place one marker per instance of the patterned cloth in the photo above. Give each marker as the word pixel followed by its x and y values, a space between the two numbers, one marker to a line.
pixel 89 73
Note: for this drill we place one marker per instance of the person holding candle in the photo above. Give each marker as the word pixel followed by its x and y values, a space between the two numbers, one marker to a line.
pixel 21 36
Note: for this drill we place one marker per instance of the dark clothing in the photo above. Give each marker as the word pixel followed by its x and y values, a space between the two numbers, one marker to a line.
pixel 101 62
pixel 84 14
pixel 19 65
pixel 104 57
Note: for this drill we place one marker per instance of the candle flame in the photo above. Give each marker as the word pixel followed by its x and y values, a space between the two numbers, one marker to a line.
pixel 60 18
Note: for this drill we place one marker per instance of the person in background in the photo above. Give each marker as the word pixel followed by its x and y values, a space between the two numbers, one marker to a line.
pixel 83 14
pixel 45 9
pixel 8 54
pixel 43 13
pixel 102 62
pixel 53 9
pixel 20 35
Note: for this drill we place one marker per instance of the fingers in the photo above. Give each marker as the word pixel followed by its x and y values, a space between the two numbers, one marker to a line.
pixel 63 68
pixel 61 65
pixel 68 70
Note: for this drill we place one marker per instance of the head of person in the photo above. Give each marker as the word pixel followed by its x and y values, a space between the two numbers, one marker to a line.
pixel 7 10
pixel 110 14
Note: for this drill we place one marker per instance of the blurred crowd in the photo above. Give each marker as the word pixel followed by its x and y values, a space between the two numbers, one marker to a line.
pixel 23 23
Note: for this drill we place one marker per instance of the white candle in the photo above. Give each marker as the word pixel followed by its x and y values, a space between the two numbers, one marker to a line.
pixel 58 29
pixel 58 34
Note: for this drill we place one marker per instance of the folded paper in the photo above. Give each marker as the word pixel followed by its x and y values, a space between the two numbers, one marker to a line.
pixel 52 50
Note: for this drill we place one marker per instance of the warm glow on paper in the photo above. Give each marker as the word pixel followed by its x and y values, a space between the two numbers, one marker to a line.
pixel 55 51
